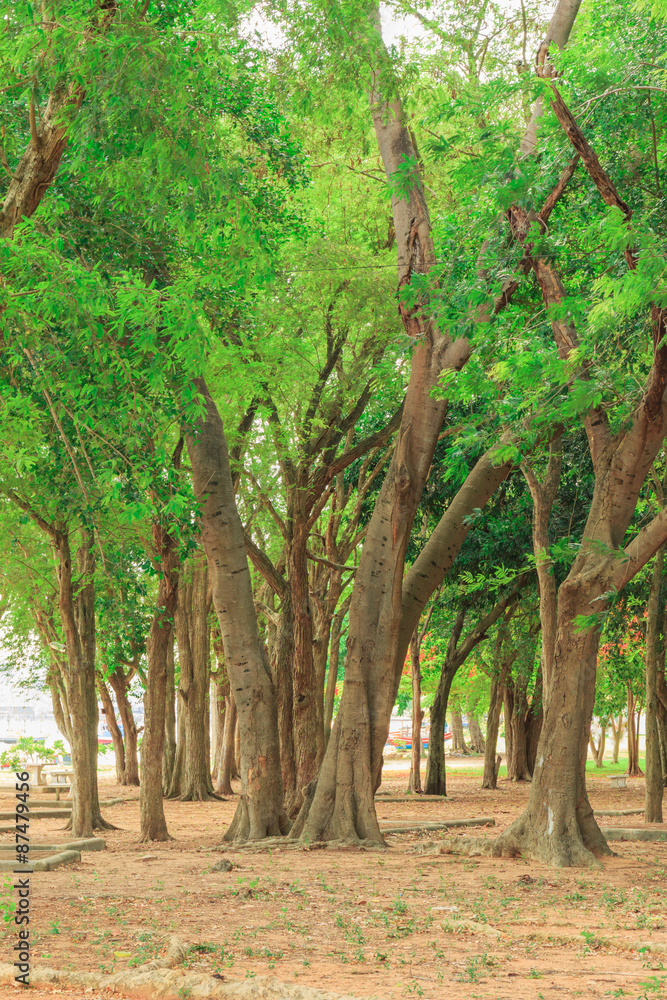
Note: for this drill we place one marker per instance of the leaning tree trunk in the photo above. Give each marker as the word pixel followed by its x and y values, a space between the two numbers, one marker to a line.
pixel 160 638
pixel 534 721
pixel 260 811
pixel 112 724
pixel 415 781
pixel 655 662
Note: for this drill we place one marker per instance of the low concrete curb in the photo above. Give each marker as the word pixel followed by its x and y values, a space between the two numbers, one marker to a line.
pixel 446 824
pixel 627 833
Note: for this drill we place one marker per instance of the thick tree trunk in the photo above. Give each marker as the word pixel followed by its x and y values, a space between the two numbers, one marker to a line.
pixel 160 639
pixel 558 826
pixel 193 640
pixel 415 781
pixel 260 812
pixel 655 663
pixel 119 683
pixel 77 610
pixel 112 724
pixel 477 742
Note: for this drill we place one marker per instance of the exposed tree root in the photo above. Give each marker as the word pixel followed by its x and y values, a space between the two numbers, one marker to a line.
pixel 251 824
pixel 568 851
pixel 287 844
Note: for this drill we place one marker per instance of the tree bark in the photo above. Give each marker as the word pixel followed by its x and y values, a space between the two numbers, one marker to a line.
pixel 458 739
pixel 169 748
pixel 260 812
pixel 308 699
pixel 116 735
pixel 334 659
pixel 617 729
pixel 655 663
pixel 282 672
pixel 477 742
pixel 223 784
pixel 415 781
pixel 77 610
pixel 634 715
pixel 194 776
pixel 160 640
pixel 120 683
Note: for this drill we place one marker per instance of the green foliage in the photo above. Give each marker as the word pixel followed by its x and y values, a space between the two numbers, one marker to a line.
pixel 28 750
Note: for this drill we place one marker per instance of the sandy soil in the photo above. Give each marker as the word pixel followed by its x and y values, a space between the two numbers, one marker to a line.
pixel 375 924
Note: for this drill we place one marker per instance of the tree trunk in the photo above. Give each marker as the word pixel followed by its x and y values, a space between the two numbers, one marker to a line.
pixel 308 707
pixel 598 749
pixel 176 783
pixel 282 672
pixel 120 684
pixel 655 662
pixel 490 776
pixel 160 639
pixel 558 826
pixel 617 728
pixel 224 781
pixel 535 719
pixel 334 659
pixel 77 610
pixel 415 781
pixel 112 724
pixel 193 640
pixel 458 739
pixel 436 773
pixel 477 742
pixel 260 811
pixel 633 770
pixel 169 749
pixel 517 758
pixel 508 712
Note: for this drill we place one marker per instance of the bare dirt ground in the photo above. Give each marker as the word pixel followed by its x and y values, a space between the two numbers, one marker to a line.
pixel 388 924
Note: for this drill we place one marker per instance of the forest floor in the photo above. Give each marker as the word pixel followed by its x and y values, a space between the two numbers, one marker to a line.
pixel 388 924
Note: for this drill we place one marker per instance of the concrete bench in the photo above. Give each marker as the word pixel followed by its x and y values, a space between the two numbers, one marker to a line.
pixel 35 771
pixel 618 781
pixel 62 780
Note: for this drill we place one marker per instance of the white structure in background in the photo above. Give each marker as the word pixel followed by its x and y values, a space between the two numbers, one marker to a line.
pixel 27 712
